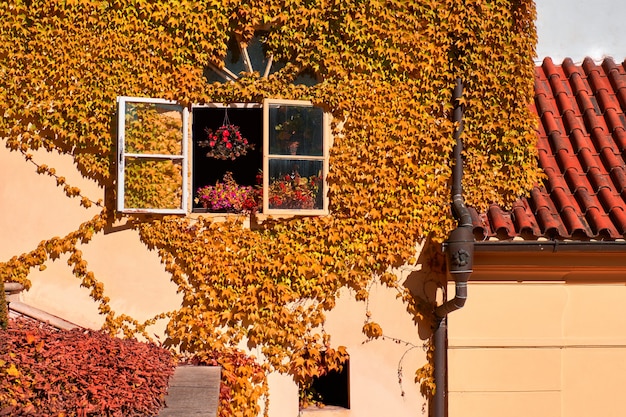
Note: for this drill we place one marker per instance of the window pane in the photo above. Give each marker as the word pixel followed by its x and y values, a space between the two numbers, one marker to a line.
pixel 153 183
pixel 295 184
pixel 296 130
pixel 245 169
pixel 153 128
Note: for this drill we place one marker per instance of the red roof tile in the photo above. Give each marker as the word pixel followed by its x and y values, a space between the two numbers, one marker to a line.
pixel 582 149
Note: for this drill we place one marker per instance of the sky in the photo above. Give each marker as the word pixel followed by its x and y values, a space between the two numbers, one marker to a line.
pixel 581 28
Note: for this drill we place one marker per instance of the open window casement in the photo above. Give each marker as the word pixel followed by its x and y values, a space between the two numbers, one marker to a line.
pixel 295 158
pixel 291 147
pixel 152 156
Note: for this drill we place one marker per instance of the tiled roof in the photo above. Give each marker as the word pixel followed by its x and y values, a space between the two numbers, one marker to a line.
pixel 582 146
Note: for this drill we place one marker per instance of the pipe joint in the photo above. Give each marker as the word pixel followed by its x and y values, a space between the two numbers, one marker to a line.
pixel 460 211
pixel 460 297
pixel 460 253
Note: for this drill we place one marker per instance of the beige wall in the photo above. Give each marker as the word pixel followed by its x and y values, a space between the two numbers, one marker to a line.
pixel 34 209
pixel 374 386
pixel 540 335
pixel 539 347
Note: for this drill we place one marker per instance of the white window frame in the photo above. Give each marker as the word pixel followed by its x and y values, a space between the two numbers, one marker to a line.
pixel 267 103
pixel 185 156
pixel 123 155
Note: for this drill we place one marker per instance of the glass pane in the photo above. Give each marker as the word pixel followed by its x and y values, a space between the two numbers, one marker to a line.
pixel 153 128
pixel 296 130
pixel 153 183
pixel 256 53
pixel 295 184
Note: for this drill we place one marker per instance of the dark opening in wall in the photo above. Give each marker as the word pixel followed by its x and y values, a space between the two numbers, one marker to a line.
pixel 205 170
pixel 334 387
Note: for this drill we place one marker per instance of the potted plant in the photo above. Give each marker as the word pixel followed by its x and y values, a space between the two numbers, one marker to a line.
pixel 228 196
pixel 292 191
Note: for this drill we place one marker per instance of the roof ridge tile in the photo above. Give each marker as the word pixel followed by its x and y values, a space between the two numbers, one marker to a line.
pixel 618 216
pixel 601 223
pixel 613 119
pixel 573 222
pixel 572 122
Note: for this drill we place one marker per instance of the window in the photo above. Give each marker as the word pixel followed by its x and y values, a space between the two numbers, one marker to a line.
pixel 334 387
pixel 331 389
pixel 284 164
pixel 152 162
pixel 295 159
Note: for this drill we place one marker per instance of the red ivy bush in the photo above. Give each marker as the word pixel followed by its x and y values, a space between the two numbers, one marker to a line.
pixel 46 372
pixel 4 314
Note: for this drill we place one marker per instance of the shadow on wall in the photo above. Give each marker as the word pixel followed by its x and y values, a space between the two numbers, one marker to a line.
pixel 424 284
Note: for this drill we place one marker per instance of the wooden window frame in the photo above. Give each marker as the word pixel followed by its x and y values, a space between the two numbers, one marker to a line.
pixel 185 157
pixel 122 102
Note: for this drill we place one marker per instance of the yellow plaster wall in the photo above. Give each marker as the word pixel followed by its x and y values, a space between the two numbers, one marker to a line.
pixel 34 208
pixel 553 349
pixel 375 389
pixel 134 279
pixel 593 381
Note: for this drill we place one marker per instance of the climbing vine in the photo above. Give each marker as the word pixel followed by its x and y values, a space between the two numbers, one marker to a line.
pixel 386 68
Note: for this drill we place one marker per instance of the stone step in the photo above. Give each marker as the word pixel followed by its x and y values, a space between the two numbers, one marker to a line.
pixel 193 391
pixel 19 309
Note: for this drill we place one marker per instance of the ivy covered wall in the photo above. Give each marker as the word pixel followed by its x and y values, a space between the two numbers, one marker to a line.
pixel 387 71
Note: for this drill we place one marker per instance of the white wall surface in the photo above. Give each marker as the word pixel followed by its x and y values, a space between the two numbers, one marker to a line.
pixel 581 28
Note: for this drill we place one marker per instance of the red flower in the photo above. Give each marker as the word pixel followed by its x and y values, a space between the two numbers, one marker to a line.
pixel 293 192
pixel 225 143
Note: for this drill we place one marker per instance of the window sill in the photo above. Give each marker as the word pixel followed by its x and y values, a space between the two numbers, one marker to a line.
pixel 327 411
pixel 250 221
pixel 223 217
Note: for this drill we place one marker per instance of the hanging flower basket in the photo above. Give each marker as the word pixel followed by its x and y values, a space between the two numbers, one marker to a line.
pixel 226 142
pixel 229 197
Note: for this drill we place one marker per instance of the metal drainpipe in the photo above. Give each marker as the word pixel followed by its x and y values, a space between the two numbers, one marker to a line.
pixel 460 258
